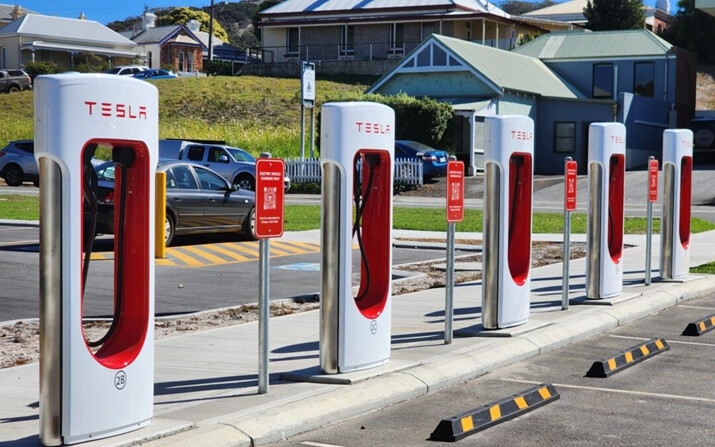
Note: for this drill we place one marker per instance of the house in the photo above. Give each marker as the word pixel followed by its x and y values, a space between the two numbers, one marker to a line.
pixel 325 30
pixel 656 19
pixel 563 81
pixel 35 37
pixel 707 6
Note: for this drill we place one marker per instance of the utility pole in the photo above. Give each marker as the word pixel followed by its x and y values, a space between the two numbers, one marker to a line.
pixel 211 33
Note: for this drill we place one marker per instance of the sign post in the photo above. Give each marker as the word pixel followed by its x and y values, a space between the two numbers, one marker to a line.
pixel 455 213
pixel 268 224
pixel 307 96
pixel 571 169
pixel 652 197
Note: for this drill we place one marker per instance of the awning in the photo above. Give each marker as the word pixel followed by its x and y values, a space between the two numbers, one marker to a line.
pixel 69 48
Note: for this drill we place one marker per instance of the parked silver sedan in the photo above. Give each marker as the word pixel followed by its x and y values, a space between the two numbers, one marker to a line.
pixel 18 164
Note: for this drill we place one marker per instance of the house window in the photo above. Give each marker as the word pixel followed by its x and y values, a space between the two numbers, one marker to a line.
pixel 439 56
pixel 603 80
pixel 347 41
pixel 181 61
pixel 190 67
pixel 565 137
pixel 292 41
pixel 429 28
pixel 423 58
pixel 644 79
pixel 397 38
pixel 149 59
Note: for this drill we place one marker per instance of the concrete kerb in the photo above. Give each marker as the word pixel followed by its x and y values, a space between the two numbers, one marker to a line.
pixel 440 372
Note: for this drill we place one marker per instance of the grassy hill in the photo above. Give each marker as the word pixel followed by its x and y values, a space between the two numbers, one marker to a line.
pixel 254 113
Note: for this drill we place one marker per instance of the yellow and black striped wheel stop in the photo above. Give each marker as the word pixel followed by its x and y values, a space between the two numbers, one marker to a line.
pixel 627 358
pixel 470 422
pixel 701 326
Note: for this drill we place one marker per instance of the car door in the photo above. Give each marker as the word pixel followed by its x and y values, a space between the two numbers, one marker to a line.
pixel 220 161
pixel 223 207
pixel 184 198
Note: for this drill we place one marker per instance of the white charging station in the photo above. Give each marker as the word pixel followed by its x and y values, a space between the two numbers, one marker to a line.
pixel 675 222
pixel 605 215
pixel 357 145
pixel 95 389
pixel 509 170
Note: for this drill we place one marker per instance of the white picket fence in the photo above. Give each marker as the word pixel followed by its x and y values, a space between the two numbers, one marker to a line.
pixel 407 170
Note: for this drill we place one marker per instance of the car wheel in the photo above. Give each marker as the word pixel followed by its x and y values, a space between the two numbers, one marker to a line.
pixel 249 225
pixel 14 89
pixel 13 175
pixel 36 183
pixel 169 228
pixel 245 181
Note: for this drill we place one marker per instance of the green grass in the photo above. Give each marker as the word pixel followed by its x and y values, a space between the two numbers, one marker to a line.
pixel 307 217
pixel 258 114
pixel 705 268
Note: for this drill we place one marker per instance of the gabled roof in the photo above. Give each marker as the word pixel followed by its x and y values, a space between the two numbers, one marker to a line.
pixel 594 45
pixel 502 70
pixel 366 6
pixel 159 35
pixel 66 30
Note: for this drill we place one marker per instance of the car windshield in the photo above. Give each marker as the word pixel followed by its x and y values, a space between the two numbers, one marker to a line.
pixel 240 155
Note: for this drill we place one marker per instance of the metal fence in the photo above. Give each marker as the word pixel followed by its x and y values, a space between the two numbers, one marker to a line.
pixel 408 171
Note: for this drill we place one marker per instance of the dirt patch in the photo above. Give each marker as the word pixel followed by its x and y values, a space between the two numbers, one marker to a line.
pixel 19 342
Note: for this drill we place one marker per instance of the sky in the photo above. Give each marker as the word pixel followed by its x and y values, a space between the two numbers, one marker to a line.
pixel 105 11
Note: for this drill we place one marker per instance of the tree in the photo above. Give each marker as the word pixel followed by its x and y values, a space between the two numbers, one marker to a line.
pixel 604 15
pixel 693 30
pixel 519 7
pixel 180 16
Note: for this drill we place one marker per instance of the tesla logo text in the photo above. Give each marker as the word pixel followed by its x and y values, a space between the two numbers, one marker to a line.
pixel 687 143
pixel 617 139
pixel 521 135
pixel 373 128
pixel 116 110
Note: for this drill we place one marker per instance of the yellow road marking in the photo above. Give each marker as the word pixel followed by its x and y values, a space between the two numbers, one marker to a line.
pixel 612 364
pixel 495 412
pixel 545 393
pixel 644 350
pixel 204 254
pixel 99 257
pixel 629 357
pixel 241 248
pixel 165 261
pixel 285 246
pixel 312 246
pixel 186 259
pixel 467 424
pixel 521 402
pixel 229 253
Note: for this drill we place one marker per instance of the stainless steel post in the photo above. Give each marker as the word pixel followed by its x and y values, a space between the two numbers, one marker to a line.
pixel 567 260
pixel 50 302
pixel 490 255
pixel 302 132
pixel 449 291
pixel 312 132
pixel 263 314
pixel 649 227
pixel 593 266
pixel 330 269
pixel 667 224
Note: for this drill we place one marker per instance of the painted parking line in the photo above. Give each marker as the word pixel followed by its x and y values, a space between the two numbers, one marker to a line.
pixel 207 255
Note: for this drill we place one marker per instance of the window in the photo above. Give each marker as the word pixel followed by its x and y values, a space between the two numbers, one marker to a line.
pixel 565 137
pixel 181 61
pixel 347 40
pixel 216 154
pixel 397 38
pixel 429 28
pixel 292 41
pixel 644 79
pixel 196 153
pixel 423 58
pixel 190 67
pixel 439 57
pixel 182 178
pixel 149 59
pixel 603 80
pixel 210 181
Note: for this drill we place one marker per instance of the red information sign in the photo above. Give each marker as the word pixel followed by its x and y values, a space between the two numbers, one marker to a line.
pixel 653 180
pixel 455 191
pixel 570 192
pixel 269 197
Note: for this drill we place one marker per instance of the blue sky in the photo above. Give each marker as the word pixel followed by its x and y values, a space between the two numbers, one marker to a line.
pixel 105 11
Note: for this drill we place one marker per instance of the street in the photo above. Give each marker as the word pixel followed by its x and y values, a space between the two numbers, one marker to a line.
pixel 666 400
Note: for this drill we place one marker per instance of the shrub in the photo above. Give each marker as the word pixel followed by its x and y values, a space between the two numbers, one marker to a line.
pixel 218 68
pixel 35 69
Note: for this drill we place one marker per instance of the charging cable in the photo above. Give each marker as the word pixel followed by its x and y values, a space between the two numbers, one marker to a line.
pixel 372 160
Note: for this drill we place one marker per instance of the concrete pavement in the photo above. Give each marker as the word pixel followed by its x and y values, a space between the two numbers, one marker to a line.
pixel 206 382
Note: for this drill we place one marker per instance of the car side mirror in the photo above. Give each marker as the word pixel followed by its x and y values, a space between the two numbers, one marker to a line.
pixel 234 187
pixel 223 158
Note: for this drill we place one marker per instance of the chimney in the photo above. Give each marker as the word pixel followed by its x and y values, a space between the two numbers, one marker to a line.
pixel 149 21
pixel 17 12
pixel 82 16
pixel 193 25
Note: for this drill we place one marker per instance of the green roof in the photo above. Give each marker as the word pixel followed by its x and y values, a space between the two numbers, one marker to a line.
pixel 507 70
pixel 591 45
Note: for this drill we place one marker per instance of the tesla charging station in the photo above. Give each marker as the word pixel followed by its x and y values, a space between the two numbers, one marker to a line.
pixel 678 170
pixel 604 232
pixel 357 143
pixel 508 157
pixel 90 389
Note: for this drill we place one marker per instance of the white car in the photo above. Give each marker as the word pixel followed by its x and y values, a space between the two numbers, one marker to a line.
pixel 127 70
pixel 17 163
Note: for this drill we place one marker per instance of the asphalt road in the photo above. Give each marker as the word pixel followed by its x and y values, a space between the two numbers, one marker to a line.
pixel 667 400
pixel 180 288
